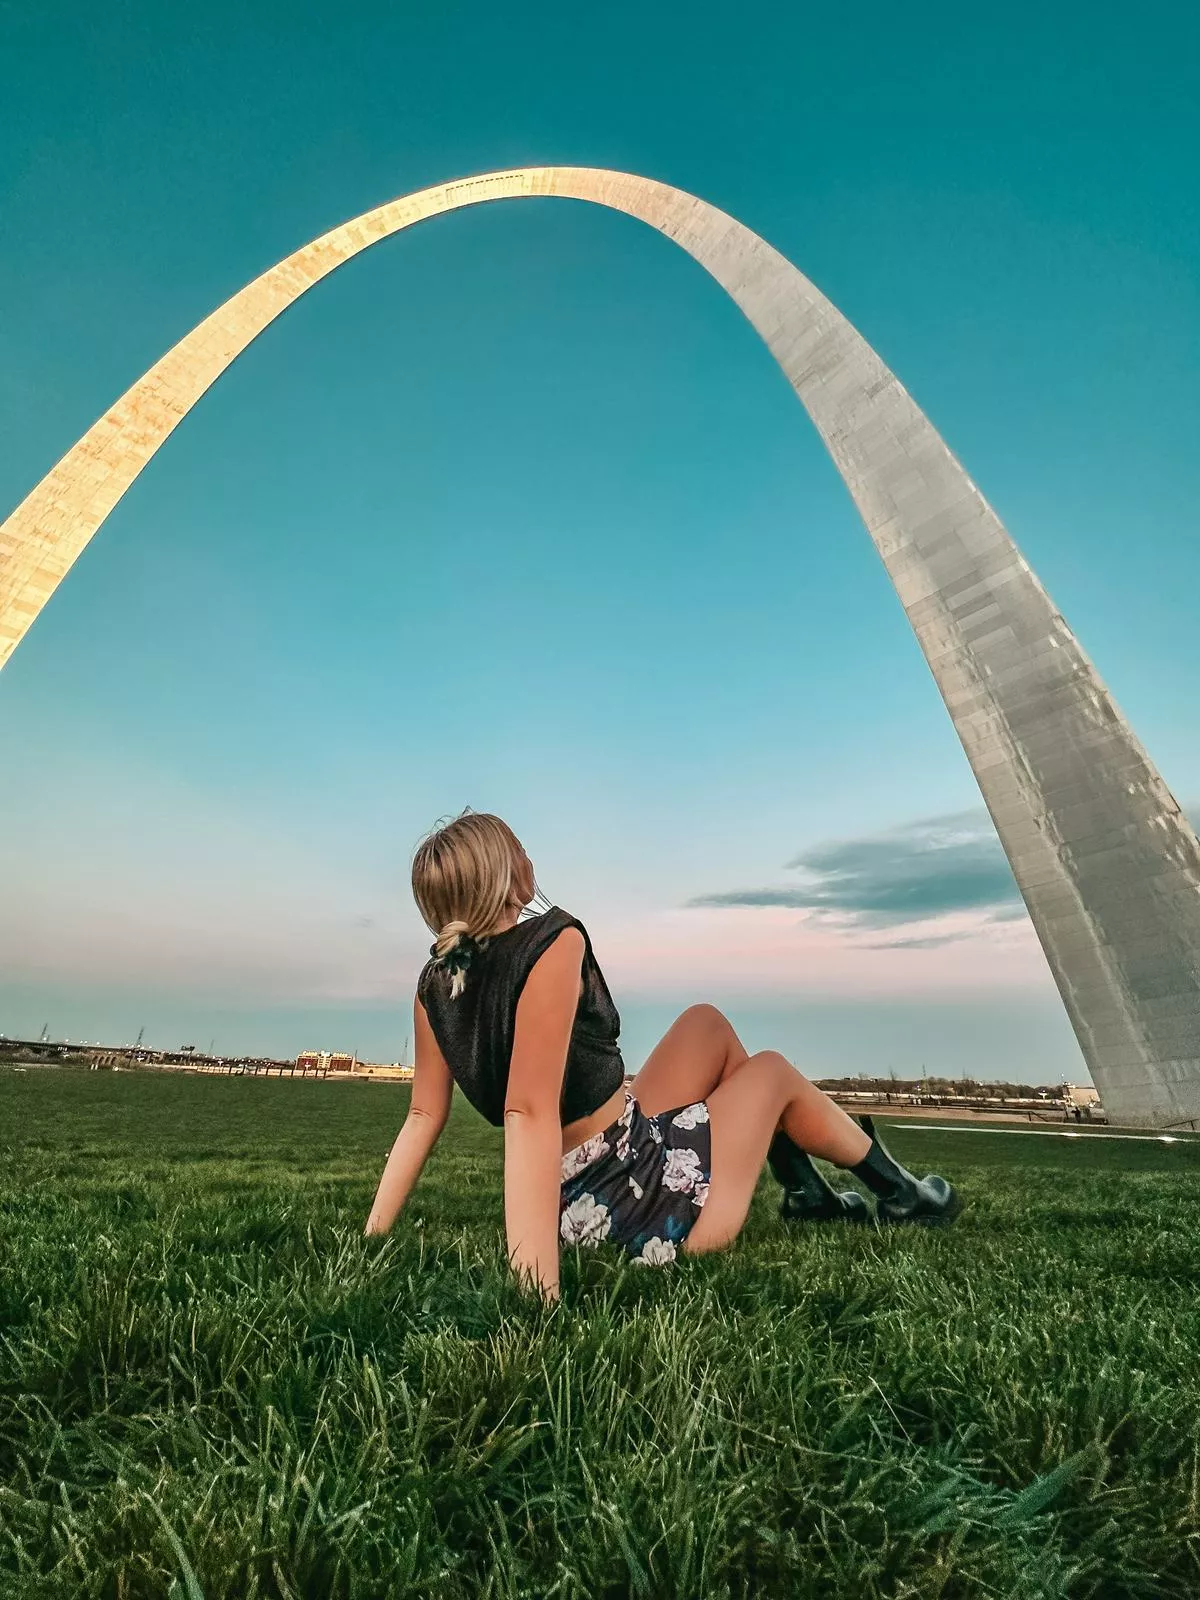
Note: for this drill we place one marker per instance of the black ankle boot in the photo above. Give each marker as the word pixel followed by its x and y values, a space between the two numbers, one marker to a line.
pixel 901 1197
pixel 806 1195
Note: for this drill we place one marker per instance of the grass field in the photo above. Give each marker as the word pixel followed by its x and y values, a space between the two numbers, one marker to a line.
pixel 211 1385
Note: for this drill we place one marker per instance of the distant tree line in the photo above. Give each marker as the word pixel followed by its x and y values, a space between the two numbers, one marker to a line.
pixel 966 1088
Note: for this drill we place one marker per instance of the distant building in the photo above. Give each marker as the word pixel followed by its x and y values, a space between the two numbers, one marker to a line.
pixel 327 1061
pixel 1081 1094
pixel 346 1061
pixel 385 1069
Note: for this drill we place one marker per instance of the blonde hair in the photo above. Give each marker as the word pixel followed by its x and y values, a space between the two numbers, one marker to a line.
pixel 462 881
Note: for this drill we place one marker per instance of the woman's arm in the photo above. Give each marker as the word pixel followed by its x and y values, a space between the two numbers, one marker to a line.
pixel 532 1121
pixel 427 1112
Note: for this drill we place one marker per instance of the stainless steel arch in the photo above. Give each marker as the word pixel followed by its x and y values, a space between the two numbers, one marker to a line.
pixel 1108 866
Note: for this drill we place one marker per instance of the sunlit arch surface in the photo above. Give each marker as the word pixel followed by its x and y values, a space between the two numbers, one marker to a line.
pixel 1108 866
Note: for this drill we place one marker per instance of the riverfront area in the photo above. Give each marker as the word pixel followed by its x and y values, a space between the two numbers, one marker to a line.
pixel 941 1097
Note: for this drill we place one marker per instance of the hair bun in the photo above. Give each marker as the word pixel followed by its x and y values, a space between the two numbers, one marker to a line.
pixel 451 936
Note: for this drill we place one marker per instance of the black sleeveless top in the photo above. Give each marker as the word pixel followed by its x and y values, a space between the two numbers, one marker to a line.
pixel 475 1031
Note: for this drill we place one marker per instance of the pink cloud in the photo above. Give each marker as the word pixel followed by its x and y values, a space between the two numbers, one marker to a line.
pixel 782 951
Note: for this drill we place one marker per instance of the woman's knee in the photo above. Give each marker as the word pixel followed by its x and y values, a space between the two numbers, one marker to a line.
pixel 716 1037
pixel 770 1062
pixel 786 1071
pixel 707 1018
pixel 779 1078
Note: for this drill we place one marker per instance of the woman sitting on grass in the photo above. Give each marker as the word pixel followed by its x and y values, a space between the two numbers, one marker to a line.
pixel 518 1014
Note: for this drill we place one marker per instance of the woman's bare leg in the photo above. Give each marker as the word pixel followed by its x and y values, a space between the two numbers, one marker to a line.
pixel 698 1051
pixel 744 1111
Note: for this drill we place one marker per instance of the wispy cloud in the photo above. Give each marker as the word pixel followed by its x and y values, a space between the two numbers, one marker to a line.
pixel 933 868
pixel 914 873
pixel 931 941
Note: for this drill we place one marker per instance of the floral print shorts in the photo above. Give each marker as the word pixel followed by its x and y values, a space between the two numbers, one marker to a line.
pixel 640 1183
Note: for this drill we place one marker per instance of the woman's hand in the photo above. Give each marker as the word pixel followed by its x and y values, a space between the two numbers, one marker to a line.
pixel 532 1121
pixel 428 1110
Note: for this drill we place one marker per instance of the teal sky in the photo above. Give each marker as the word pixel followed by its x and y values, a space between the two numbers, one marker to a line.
pixel 515 511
